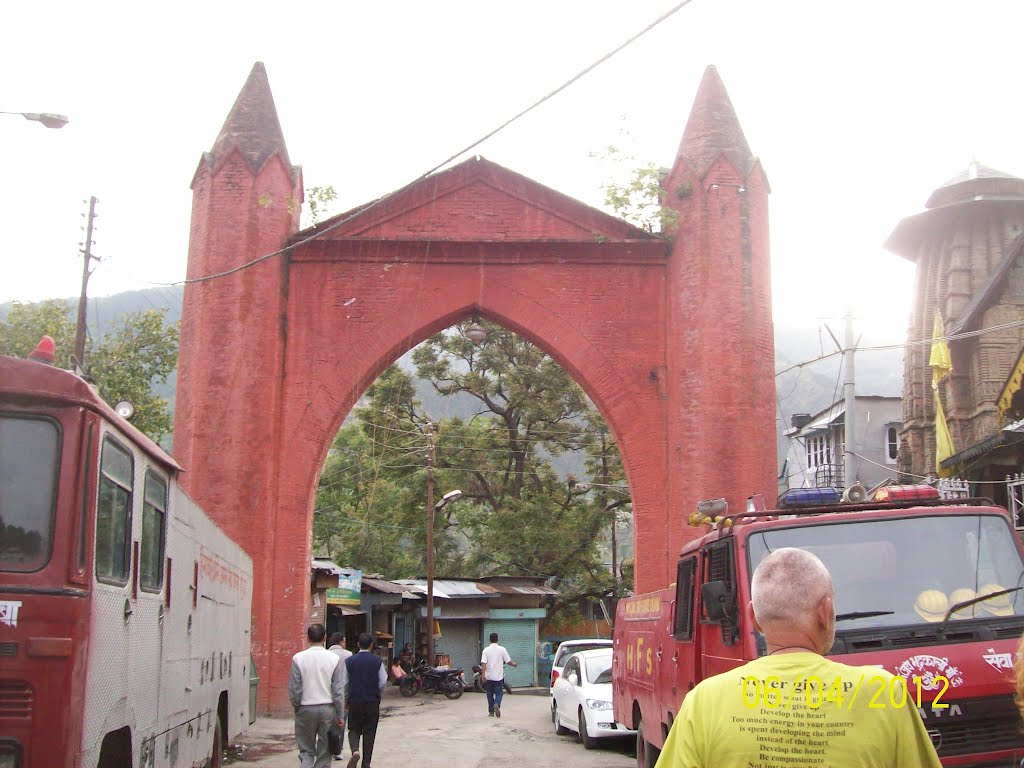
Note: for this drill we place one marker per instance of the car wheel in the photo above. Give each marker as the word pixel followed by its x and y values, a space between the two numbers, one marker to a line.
pixel 585 737
pixel 560 729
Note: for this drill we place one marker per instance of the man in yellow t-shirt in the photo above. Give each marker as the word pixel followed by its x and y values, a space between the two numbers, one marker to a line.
pixel 793 708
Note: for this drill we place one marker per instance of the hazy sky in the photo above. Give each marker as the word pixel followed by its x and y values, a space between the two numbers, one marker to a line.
pixel 857 111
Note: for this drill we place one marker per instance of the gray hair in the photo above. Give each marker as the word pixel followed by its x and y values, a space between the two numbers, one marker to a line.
pixel 788 585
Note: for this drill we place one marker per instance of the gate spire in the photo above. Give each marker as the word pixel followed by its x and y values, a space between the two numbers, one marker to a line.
pixel 713 130
pixel 252 125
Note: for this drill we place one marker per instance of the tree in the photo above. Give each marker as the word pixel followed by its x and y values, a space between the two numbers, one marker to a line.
pixel 517 516
pixel 141 350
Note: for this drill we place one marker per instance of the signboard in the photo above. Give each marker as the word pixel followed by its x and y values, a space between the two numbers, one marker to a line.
pixel 348 590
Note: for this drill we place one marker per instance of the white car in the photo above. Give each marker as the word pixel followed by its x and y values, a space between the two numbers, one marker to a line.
pixel 583 698
pixel 568 647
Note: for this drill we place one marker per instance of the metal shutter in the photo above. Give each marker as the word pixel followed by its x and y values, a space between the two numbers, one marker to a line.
pixel 519 636
pixel 461 641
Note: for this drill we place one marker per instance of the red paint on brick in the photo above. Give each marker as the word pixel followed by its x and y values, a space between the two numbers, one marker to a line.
pixel 674 345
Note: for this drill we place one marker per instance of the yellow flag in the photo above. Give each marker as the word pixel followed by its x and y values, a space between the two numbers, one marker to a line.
pixel 941 364
pixel 943 441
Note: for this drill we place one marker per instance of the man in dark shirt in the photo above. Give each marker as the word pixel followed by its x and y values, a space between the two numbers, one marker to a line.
pixel 366 679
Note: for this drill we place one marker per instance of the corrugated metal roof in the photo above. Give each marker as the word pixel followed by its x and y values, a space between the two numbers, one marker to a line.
pixel 323 564
pixel 451 588
pixel 383 585
pixel 517 589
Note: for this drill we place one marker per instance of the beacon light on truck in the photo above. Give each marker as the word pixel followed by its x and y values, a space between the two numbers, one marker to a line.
pixel 809 497
pixel 907 493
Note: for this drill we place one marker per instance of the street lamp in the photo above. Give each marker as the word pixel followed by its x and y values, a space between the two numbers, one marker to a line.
pixel 49 119
pixel 431 510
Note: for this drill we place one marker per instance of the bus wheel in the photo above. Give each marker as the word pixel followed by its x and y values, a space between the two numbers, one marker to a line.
pixel 646 753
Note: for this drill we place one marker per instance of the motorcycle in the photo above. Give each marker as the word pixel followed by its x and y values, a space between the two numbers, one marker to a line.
pixel 478 683
pixel 425 678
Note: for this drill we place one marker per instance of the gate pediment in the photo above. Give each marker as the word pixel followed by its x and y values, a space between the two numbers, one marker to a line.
pixel 480 201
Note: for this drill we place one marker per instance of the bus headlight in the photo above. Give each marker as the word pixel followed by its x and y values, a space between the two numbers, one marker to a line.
pixel 592 703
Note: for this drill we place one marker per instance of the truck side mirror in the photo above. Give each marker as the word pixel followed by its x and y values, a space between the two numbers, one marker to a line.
pixel 718 604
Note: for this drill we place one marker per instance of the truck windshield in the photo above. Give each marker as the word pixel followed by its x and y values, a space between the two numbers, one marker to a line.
pixel 911 570
pixel 29 461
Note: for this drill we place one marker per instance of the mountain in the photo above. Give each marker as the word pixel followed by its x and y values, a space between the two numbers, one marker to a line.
pixel 805 389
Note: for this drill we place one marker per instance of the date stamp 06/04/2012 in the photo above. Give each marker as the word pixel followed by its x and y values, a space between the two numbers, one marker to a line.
pixel 815 693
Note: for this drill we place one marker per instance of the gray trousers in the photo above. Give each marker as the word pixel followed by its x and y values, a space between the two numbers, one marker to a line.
pixel 311 725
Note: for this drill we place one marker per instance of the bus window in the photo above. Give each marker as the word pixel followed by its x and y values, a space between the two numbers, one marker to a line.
pixel 114 514
pixel 154 509
pixel 29 464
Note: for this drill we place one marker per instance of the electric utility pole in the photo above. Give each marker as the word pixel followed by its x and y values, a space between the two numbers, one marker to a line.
pixel 850 404
pixel 430 544
pixel 87 259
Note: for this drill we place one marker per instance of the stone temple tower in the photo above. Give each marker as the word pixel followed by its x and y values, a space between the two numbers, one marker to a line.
pixel 966 245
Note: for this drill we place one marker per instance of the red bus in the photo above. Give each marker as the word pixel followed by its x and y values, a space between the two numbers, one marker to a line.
pixel 124 610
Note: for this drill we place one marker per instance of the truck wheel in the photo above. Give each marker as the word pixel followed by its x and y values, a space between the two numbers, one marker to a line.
pixel 646 753
pixel 585 737
pixel 560 730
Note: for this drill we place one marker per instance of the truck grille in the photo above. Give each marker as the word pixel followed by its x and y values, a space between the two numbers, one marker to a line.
pixel 15 699
pixel 988 725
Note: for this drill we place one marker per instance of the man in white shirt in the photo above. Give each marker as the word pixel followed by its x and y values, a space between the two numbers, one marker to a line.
pixel 316 689
pixel 336 645
pixel 493 661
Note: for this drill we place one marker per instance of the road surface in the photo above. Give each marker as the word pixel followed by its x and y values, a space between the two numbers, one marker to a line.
pixel 428 731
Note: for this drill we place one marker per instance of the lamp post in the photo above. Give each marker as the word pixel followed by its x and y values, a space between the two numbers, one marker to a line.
pixel 49 119
pixel 431 509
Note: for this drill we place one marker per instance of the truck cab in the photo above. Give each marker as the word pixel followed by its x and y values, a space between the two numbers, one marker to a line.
pixel 929 591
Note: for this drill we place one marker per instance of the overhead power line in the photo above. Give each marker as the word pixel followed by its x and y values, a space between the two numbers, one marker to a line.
pixel 522 113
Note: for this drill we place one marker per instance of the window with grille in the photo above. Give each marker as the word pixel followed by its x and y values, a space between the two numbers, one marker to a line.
pixel 151 550
pixel 892 444
pixel 719 559
pixel 114 514
pixel 682 628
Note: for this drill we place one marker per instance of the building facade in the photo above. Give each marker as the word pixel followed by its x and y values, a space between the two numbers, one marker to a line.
pixel 816 445
pixel 967 246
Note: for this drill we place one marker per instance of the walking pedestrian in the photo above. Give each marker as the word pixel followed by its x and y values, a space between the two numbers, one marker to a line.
pixel 493 661
pixel 336 645
pixel 316 689
pixel 366 680
pixel 816 716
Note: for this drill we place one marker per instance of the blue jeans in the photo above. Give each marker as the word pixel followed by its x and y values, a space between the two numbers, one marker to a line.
pixel 495 690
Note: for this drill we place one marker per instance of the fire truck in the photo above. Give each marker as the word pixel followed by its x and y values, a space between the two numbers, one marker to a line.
pixel 124 610
pixel 929 589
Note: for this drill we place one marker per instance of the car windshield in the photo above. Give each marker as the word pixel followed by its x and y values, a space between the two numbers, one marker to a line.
pixel 565 650
pixel 599 669
pixel 29 461
pixel 911 570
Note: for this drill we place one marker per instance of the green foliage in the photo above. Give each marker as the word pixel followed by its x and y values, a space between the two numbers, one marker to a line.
pixel 517 516
pixel 317 201
pixel 140 350
pixel 639 199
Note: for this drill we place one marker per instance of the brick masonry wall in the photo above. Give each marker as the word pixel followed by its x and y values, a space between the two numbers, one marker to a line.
pixel 675 348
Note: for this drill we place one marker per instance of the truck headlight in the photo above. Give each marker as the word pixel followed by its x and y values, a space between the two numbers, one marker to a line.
pixel 598 704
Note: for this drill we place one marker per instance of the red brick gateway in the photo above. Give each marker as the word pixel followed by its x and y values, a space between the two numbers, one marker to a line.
pixel 671 339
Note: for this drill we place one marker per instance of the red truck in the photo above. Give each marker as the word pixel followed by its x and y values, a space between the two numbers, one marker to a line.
pixel 931 590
